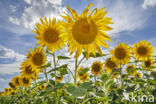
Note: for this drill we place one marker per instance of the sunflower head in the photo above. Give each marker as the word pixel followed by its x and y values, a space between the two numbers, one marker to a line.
pixel 97 68
pixel 25 82
pixel 87 31
pixel 138 75
pixel 131 69
pixel 37 57
pixel 148 64
pixel 59 77
pixel 121 53
pixel 143 50
pixel 28 70
pixel 83 77
pixel 42 87
pixel 110 65
pixel 48 33
pixel 15 81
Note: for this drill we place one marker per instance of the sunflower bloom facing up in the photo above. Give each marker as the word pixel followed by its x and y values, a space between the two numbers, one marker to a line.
pixel 97 68
pixel 27 70
pixel 86 31
pixel 143 50
pixel 121 53
pixel 15 81
pixel 48 33
pixel 25 82
pixel 109 65
pixel 37 57
pixel 131 69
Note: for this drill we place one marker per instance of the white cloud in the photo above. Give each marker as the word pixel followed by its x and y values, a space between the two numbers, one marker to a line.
pixel 13 8
pixel 126 15
pixel 8 53
pixel 37 9
pixel 149 3
pixel 14 20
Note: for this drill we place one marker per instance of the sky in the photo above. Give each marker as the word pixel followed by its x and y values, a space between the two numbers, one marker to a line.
pixel 134 20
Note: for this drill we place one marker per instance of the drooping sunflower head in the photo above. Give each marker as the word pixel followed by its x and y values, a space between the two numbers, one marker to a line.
pixel 59 77
pixel 143 50
pixel 131 69
pixel 86 31
pixel 28 70
pixel 48 33
pixel 110 65
pixel 25 82
pixel 97 68
pixel 121 53
pixel 37 57
pixel 15 81
pixel 148 64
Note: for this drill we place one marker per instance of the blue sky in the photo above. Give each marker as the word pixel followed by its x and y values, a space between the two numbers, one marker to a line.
pixel 134 20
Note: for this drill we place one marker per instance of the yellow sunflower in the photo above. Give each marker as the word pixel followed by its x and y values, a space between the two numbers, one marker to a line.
pixel 59 77
pixel 131 69
pixel 121 53
pixel 143 50
pixel 27 70
pixel 48 34
pixel 15 81
pixel 86 31
pixel 85 77
pixel 109 65
pixel 42 87
pixel 3 93
pixel 138 75
pixel 97 68
pixel 25 82
pixel 37 57
pixel 148 63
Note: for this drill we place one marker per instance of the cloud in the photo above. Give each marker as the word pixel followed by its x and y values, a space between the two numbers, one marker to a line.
pixel 34 11
pixel 148 3
pixel 8 53
pixel 126 15
pixel 13 8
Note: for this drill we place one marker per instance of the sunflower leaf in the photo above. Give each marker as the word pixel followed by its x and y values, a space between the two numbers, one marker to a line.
pixel 85 70
pixel 63 57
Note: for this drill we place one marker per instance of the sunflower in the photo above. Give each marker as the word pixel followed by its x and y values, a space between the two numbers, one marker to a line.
pixel 25 82
pixel 121 53
pixel 148 63
pixel 42 87
pixel 109 65
pixel 59 77
pixel 48 34
pixel 138 75
pixel 86 31
pixel 15 81
pixel 27 70
pixel 143 50
pixel 83 77
pixel 37 57
pixel 97 68
pixel 131 69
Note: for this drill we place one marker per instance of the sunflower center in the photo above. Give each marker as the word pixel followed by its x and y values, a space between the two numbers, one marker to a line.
pixel 110 64
pixel 17 81
pixel 84 32
pixel 148 63
pixel 26 81
pixel 51 36
pixel 42 86
pixel 120 53
pixel 37 59
pixel 28 70
pixel 142 50
pixel 96 67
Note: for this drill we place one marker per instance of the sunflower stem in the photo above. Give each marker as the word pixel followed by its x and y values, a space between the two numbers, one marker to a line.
pixel 45 73
pixel 75 79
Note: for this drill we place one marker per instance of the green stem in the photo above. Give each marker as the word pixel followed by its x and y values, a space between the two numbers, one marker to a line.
pixel 121 76
pixel 45 73
pixel 71 73
pixel 75 79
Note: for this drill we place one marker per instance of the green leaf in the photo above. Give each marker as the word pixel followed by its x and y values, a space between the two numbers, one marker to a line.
pixel 87 85
pixel 120 91
pixel 104 78
pixel 52 75
pixel 130 88
pixel 63 57
pixel 63 71
pixel 152 81
pixel 109 83
pixel 76 91
pixel 85 70
pixel 59 85
pixel 55 69
pixel 45 66
pixel 92 55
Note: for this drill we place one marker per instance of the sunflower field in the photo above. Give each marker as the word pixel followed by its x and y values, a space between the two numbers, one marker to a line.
pixel 127 76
